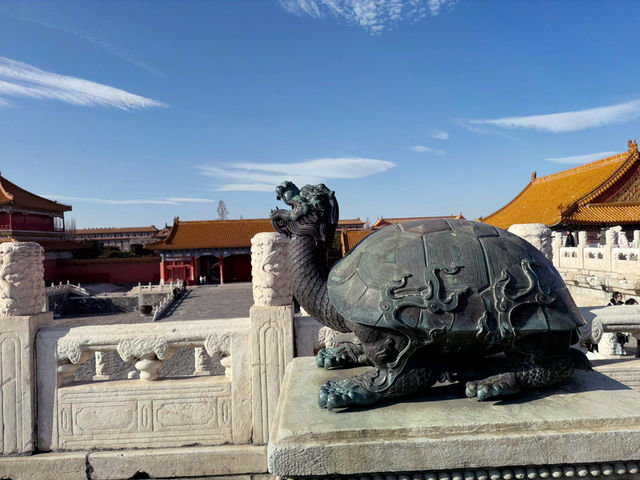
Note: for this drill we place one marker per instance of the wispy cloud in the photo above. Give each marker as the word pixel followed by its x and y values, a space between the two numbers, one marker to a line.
pixel 439 134
pixel 579 159
pixel 372 15
pixel 106 201
pixel 569 121
pixel 423 149
pixel 253 176
pixel 35 15
pixel 480 130
pixel 19 79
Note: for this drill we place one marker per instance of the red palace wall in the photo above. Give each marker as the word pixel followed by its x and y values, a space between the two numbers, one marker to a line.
pixel 26 222
pixel 104 270
pixel 235 268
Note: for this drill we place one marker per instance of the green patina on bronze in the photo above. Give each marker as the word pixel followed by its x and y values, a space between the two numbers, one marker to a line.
pixel 429 300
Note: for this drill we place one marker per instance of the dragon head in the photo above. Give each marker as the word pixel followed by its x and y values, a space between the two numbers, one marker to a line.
pixel 314 211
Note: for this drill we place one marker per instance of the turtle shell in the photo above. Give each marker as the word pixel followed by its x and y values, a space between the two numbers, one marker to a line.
pixel 451 276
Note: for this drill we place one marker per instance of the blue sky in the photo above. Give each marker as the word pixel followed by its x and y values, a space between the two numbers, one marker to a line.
pixel 135 112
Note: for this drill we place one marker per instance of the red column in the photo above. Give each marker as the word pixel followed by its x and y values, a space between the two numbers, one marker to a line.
pixel 221 270
pixel 163 274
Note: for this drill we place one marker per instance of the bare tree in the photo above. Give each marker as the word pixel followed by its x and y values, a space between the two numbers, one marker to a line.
pixel 222 210
pixel 367 223
pixel 70 229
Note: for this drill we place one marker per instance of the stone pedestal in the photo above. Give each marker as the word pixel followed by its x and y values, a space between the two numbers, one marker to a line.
pixel 589 426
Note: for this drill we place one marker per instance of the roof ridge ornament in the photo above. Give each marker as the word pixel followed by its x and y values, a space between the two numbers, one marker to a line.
pixel 534 175
pixel 632 145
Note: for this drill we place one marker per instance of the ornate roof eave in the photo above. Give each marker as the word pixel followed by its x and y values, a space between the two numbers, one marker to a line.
pixel 164 244
pixel 633 158
pixel 4 191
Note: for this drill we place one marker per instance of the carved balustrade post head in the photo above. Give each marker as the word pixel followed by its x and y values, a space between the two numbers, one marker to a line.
pixel 70 356
pixel 537 234
pixel 219 346
pixel 21 278
pixel 149 351
pixel 269 268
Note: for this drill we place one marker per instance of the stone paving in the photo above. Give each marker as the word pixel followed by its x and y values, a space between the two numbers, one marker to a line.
pixel 203 302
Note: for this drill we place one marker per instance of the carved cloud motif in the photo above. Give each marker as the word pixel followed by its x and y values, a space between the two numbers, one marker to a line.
pixel 218 345
pixel 131 349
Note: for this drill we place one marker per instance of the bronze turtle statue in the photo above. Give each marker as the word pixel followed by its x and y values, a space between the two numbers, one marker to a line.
pixel 429 300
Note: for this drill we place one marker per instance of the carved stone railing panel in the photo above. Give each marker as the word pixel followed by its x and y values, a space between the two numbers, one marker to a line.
pixel 207 410
pixel 620 258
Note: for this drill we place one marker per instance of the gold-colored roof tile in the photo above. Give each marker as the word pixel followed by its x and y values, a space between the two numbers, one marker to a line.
pixel 212 234
pixel 546 199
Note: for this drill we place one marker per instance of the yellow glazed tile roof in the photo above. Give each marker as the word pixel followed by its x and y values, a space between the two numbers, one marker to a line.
pixel 11 194
pixel 556 197
pixel 607 213
pixel 212 234
pixel 351 237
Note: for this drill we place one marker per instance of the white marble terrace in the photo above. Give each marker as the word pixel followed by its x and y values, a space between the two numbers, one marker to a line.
pixel 198 424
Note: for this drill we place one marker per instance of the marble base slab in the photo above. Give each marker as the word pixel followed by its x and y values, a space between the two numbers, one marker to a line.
pixel 589 425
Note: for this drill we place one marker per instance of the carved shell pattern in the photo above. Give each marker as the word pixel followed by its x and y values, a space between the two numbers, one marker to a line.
pixel 218 345
pixel 130 349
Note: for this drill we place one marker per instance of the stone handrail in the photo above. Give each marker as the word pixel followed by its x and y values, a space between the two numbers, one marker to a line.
pixel 209 410
pixel 62 288
pixel 603 322
pixel 160 288
pixel 602 258
pixel 169 299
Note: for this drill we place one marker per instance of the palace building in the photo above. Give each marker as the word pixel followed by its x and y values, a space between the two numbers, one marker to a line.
pixel 599 194
pixel 215 250
pixel 120 237
pixel 27 217
pixel 350 224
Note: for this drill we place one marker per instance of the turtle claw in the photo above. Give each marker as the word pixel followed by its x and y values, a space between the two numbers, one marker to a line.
pixel 494 386
pixel 345 393
pixel 342 356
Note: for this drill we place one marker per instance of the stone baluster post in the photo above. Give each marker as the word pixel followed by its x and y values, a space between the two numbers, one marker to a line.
pixel 200 361
pixel 582 238
pixel 636 238
pixel 556 243
pixel 271 327
pixel 610 236
pixel 104 363
pixel 22 295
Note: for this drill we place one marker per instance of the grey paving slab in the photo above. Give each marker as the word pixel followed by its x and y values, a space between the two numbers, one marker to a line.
pixel 203 302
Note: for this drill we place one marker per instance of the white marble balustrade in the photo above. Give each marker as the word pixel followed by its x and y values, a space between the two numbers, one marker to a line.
pixel 602 258
pixel 149 411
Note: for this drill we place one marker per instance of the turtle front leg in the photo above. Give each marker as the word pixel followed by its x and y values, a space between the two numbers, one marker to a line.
pixel 362 390
pixel 527 374
pixel 345 355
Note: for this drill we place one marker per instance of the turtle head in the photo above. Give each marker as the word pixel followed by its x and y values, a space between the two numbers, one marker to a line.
pixel 314 211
